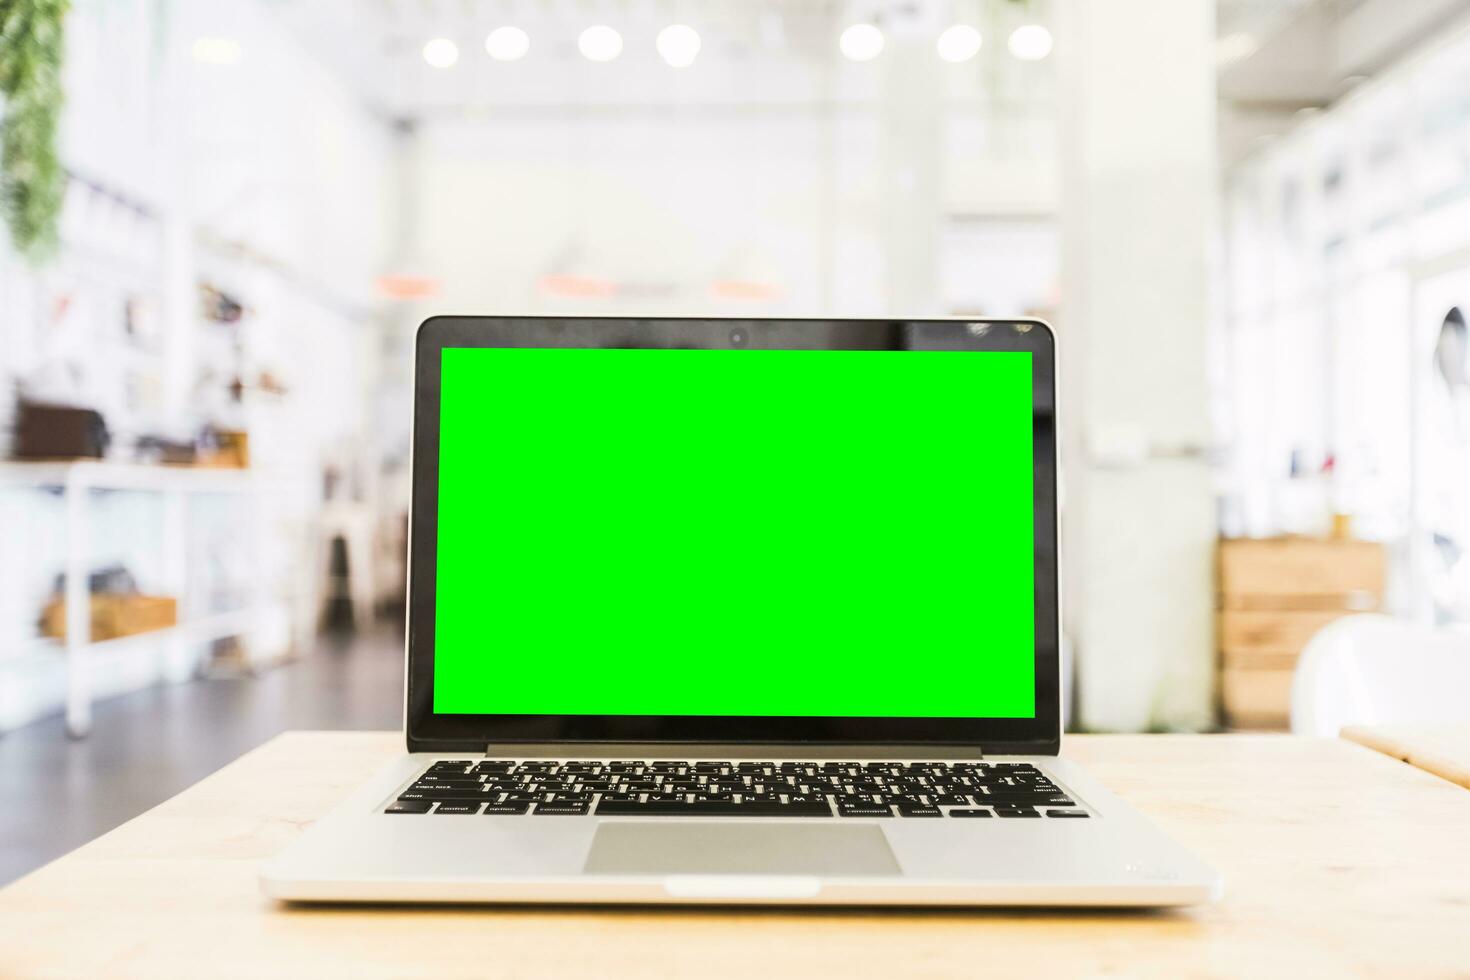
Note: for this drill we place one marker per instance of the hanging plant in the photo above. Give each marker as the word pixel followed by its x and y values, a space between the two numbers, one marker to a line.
pixel 32 181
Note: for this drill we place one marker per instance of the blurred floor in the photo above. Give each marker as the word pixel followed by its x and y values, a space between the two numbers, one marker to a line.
pixel 59 793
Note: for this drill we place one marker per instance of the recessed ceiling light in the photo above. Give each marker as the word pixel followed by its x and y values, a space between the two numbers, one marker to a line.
pixel 959 43
pixel 441 52
pixel 507 44
pixel 216 51
pixel 1030 42
pixel 600 43
pixel 861 42
pixel 679 45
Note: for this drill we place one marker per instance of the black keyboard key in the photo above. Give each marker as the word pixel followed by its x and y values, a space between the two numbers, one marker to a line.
pixel 919 811
pixel 1016 811
pixel 408 806
pixel 446 795
pixel 864 810
pixel 506 809
pixel 633 807
pixel 566 809
pixel 457 765
pixel 1005 796
pixel 458 808
pixel 969 813
pixel 1066 813
pixel 492 768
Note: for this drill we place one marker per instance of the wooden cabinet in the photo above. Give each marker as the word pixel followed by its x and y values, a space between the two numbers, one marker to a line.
pixel 1274 595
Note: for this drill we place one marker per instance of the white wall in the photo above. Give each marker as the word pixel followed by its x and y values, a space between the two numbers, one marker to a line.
pixel 667 203
pixel 661 209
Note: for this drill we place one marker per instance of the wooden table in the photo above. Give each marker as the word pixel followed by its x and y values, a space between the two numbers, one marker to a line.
pixel 1441 749
pixel 1337 861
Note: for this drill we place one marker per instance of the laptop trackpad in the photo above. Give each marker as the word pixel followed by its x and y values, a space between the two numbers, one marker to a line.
pixel 715 847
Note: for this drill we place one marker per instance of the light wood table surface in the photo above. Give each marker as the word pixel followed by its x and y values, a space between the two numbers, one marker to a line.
pixel 1441 749
pixel 1338 861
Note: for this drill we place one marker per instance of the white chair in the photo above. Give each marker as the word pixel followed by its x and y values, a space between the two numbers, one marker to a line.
pixel 1376 670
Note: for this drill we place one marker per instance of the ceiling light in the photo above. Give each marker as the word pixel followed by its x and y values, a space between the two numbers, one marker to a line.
pixel 216 51
pixel 959 43
pixel 1030 42
pixel 861 42
pixel 600 43
pixel 507 44
pixel 679 45
pixel 441 52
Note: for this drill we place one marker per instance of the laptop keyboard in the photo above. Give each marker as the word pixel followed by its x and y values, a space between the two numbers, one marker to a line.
pixel 1006 790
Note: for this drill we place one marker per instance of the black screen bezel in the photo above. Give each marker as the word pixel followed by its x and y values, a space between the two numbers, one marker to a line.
pixel 427 731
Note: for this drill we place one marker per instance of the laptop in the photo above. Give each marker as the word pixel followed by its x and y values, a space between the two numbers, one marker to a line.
pixel 735 611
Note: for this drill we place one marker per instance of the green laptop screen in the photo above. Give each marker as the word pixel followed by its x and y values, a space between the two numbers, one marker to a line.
pixel 731 532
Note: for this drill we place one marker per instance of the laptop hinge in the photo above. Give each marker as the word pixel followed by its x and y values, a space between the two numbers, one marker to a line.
pixel 501 750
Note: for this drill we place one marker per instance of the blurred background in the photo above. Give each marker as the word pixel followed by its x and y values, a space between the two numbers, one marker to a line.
pixel 1249 221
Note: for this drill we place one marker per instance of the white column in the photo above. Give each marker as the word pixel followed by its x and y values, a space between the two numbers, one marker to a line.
pixel 1138 203
pixel 77 585
pixel 911 188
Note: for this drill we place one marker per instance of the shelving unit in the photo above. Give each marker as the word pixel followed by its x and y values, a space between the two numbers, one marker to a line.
pixel 76 481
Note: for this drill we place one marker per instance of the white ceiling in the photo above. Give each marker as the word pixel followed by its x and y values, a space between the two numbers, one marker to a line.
pixel 1282 58
pixel 1274 56
pixel 754 52
pixel 1253 21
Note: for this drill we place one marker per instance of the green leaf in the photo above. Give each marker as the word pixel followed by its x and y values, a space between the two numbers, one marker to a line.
pixel 32 179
